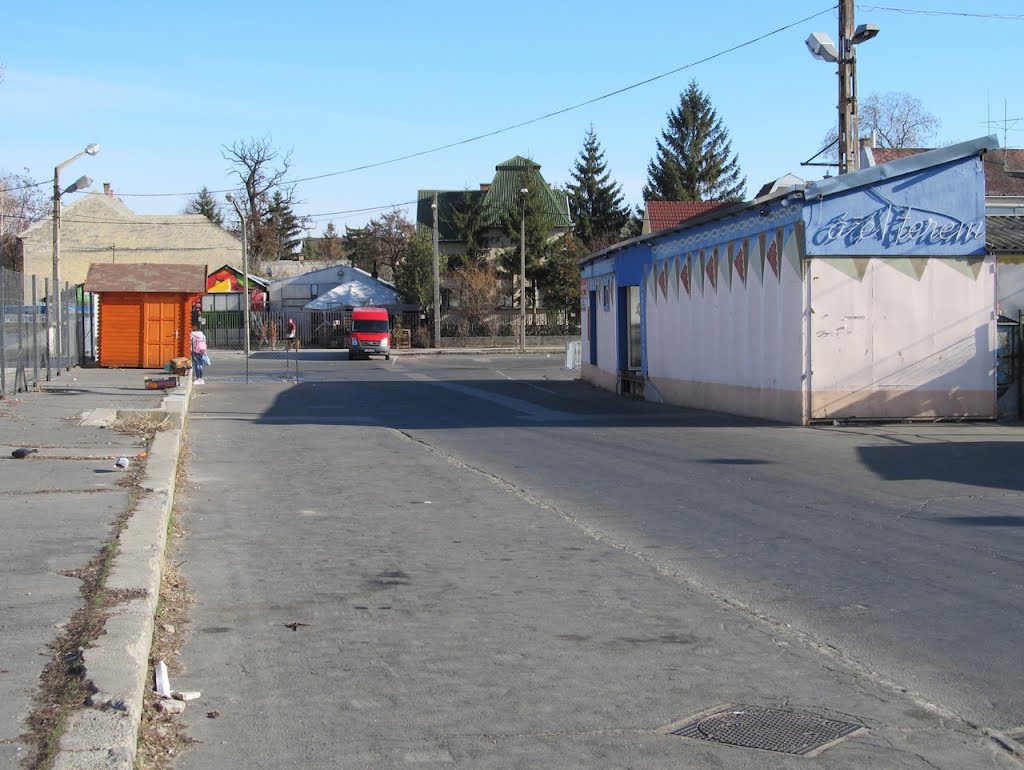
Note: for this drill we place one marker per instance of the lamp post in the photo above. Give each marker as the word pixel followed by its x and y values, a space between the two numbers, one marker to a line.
pixel 245 281
pixel 845 55
pixel 55 310
pixel 437 280
pixel 522 273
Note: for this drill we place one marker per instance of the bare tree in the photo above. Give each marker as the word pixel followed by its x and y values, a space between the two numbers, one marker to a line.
pixel 22 204
pixel 391 232
pixel 261 167
pixel 896 119
pixel 478 294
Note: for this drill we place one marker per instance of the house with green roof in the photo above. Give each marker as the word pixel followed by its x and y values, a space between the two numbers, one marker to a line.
pixel 496 201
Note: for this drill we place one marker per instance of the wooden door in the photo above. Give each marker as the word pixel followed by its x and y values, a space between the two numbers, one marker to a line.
pixel 161 336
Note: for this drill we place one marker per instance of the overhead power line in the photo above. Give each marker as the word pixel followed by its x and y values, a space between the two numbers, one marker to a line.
pixel 976 14
pixel 524 123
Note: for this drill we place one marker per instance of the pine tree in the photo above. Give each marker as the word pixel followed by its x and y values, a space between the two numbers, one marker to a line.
pixel 694 160
pixel 283 226
pixel 467 216
pixel 595 202
pixel 415 276
pixel 204 203
pixel 561 283
pixel 330 248
pixel 361 248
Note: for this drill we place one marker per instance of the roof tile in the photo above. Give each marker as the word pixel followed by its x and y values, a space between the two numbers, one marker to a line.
pixel 666 214
pixel 183 279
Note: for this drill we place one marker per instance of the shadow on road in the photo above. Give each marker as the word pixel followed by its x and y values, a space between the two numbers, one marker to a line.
pixel 476 403
pixel 993 464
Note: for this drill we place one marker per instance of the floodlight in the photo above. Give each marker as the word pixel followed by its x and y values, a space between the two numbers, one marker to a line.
pixel 79 184
pixel 864 32
pixel 821 47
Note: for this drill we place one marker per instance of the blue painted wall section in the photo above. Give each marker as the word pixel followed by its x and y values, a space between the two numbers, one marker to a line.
pixel 935 212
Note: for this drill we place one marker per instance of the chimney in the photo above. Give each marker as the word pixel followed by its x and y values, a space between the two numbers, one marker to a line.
pixel 107 191
pixel 485 186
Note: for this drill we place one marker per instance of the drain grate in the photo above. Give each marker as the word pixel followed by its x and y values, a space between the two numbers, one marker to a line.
pixel 770 729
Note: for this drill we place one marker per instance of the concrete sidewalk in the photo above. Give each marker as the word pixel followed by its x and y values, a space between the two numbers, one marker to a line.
pixel 62 505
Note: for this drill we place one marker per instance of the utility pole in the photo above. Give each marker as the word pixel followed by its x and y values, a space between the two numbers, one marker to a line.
pixel 522 273
pixel 848 132
pixel 437 280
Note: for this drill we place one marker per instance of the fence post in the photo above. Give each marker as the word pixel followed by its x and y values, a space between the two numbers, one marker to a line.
pixel 3 331
pixel 35 333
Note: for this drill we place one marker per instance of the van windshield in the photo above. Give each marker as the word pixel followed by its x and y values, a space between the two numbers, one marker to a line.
pixel 369 325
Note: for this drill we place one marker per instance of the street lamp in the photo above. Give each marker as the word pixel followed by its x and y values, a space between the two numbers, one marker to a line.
pixel 245 281
pixel 845 55
pixel 55 310
pixel 522 273
pixel 437 279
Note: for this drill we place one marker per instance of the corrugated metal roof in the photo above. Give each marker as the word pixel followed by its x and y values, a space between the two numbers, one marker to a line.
pixel 500 198
pixel 503 197
pixel 1004 235
pixel 175 279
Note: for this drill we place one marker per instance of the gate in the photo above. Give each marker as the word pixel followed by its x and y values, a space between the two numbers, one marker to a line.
pixel 1009 366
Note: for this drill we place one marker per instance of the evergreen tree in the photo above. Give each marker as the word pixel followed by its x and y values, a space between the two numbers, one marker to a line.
pixel 595 202
pixel 561 283
pixel 415 275
pixel 467 216
pixel 361 248
pixel 204 203
pixel 330 247
pixel 694 160
pixel 283 227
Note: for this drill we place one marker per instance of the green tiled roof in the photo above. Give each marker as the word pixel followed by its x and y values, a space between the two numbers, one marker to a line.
pixel 500 198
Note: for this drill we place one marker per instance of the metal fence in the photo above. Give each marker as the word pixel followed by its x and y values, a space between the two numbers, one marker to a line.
pixel 32 349
pixel 506 322
pixel 320 335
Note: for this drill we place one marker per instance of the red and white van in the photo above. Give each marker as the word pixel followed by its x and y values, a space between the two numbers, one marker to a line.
pixel 371 333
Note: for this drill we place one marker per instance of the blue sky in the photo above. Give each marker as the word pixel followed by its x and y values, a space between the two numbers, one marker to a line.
pixel 163 86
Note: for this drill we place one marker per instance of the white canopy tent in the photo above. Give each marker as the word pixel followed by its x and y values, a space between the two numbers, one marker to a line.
pixel 355 294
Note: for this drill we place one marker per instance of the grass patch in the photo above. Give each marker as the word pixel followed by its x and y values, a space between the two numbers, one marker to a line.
pixel 63 686
pixel 145 424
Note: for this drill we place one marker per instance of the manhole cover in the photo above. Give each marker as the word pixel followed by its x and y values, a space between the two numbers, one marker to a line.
pixel 754 727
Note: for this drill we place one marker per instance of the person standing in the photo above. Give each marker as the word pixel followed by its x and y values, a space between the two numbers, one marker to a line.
pixel 198 342
pixel 291 338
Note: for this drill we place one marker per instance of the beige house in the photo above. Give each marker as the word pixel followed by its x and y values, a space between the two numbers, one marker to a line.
pixel 99 228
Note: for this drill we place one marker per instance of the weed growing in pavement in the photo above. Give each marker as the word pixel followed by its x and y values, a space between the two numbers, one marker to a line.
pixel 146 424
pixel 63 686
pixel 162 736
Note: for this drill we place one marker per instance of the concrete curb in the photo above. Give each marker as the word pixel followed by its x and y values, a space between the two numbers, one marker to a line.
pixel 117 664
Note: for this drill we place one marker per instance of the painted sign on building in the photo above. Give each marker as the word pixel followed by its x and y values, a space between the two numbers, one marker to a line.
pixel 890 218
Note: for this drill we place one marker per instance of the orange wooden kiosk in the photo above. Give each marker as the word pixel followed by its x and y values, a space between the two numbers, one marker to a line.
pixel 144 312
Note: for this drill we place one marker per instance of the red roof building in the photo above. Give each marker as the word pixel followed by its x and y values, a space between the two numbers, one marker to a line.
pixel 662 215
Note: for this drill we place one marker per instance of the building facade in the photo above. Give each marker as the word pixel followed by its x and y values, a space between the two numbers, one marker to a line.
pixel 865 296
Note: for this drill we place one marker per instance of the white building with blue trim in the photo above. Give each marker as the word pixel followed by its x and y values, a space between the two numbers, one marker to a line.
pixel 866 296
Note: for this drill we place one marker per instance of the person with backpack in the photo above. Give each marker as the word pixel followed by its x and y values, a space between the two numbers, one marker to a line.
pixel 199 357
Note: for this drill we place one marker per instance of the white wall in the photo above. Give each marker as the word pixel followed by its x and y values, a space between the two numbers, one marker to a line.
pixel 1010 286
pixel 735 346
pixel 902 338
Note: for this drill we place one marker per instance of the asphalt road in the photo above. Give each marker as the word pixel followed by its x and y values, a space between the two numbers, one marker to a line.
pixel 901 545
pixel 892 552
